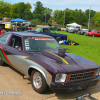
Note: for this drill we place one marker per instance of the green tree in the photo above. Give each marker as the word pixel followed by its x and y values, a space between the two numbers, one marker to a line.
pixel 55 13
pixel 69 18
pixel 96 19
pixel 38 13
pixel 60 17
pixel 50 20
pixel 5 9
pixel 36 21
pixel 28 15
pixel 47 12
pixel 81 18
pixel 92 13
pixel 75 16
pixel 22 10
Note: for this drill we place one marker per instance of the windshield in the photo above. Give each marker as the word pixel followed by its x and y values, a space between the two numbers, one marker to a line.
pixel 38 29
pixel 94 31
pixel 40 43
pixel 85 30
pixel 72 26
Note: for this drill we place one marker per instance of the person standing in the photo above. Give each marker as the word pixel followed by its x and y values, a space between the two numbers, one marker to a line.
pixel 30 27
pixel 2 30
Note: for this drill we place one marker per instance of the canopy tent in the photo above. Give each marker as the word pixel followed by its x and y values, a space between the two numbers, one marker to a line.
pixel 18 20
pixel 73 24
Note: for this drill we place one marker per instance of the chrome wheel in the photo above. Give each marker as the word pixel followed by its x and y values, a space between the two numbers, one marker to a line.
pixel 37 80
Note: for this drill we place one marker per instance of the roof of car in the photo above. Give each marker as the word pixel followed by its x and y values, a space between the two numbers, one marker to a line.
pixel 27 34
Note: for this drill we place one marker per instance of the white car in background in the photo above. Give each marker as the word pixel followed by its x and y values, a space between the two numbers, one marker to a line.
pixel 72 28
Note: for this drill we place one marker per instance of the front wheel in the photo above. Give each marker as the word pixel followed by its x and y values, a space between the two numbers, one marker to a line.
pixel 38 82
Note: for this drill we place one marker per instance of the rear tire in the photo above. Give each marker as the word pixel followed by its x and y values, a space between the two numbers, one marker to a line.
pixel 2 63
pixel 58 39
pixel 38 82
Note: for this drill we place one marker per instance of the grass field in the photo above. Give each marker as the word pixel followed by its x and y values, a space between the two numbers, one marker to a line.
pixel 89 47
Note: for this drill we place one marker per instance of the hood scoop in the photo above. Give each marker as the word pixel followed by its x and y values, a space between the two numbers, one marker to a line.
pixel 55 57
pixel 61 52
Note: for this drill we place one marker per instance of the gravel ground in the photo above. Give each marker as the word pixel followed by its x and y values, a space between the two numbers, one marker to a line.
pixel 14 87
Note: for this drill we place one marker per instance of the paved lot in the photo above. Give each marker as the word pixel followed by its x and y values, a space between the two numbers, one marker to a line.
pixel 13 87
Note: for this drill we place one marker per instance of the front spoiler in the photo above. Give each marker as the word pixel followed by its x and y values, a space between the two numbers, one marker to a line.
pixel 69 87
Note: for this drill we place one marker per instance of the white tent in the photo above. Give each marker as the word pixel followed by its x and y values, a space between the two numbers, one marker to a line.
pixel 73 24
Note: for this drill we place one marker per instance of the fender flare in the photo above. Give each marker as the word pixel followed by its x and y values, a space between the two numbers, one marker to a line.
pixel 44 72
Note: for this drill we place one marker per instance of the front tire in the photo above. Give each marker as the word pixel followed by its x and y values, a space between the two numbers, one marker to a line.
pixel 38 82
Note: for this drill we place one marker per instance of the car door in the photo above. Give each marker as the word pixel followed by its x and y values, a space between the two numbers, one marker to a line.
pixel 15 55
pixel 3 41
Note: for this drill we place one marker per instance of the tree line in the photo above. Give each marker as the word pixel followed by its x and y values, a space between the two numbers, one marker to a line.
pixel 44 15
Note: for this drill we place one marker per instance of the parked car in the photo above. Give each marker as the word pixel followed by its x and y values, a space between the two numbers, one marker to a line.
pixel 50 32
pixel 83 31
pixel 55 28
pixel 19 27
pixel 42 60
pixel 23 24
pixel 76 30
pixel 72 28
pixel 16 24
pixel 33 25
pixel 67 29
pixel 93 33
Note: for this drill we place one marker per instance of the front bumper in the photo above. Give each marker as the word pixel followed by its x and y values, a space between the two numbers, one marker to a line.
pixel 69 87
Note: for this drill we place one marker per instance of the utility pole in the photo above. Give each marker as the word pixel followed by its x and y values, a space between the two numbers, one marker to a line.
pixel 89 18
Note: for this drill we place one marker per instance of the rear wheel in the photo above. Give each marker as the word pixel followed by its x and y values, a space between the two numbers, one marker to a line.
pixel 38 82
pixel 58 39
pixel 2 62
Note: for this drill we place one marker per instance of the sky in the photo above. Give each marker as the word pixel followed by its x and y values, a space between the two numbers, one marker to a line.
pixel 63 4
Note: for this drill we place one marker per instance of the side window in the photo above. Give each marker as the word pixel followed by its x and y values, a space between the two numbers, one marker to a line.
pixel 16 42
pixel 3 38
pixel 44 30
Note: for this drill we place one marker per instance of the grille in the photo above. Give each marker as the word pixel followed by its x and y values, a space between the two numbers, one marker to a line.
pixel 80 76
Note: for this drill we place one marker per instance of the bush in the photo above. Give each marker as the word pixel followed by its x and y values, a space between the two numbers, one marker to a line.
pixel 36 21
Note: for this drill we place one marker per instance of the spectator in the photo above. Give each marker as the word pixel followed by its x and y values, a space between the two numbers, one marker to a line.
pixel 2 30
pixel 30 27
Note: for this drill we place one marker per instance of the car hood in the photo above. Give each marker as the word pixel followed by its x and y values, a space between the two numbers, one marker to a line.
pixel 68 64
pixel 31 31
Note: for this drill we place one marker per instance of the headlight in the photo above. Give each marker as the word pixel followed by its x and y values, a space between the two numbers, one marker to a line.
pixel 97 72
pixel 60 77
